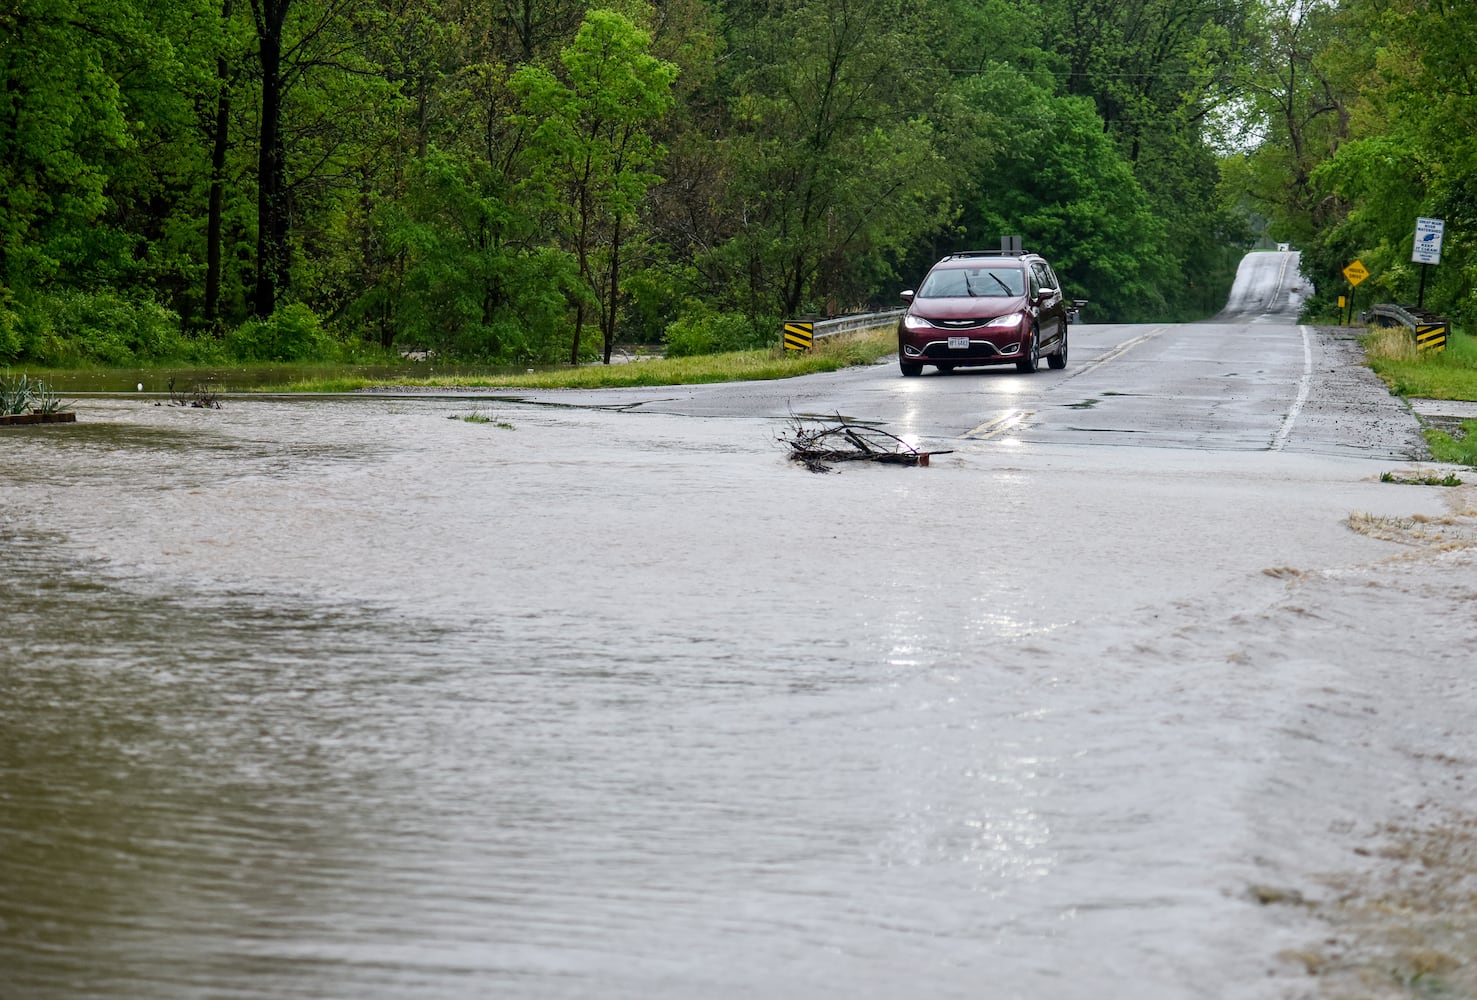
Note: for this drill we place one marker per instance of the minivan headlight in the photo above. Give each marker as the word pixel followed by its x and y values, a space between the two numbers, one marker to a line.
pixel 1009 319
pixel 911 322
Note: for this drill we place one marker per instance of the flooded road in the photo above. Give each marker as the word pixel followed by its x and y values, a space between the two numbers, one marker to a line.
pixel 356 698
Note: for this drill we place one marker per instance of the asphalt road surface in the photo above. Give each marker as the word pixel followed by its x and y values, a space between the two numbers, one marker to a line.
pixel 1250 380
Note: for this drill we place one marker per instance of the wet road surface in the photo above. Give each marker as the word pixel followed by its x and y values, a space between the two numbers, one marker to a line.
pixel 605 697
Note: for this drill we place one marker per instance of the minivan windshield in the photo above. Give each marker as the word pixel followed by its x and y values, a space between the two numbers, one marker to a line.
pixel 960 282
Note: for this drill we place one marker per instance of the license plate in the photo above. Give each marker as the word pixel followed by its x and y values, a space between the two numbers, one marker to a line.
pixel 958 343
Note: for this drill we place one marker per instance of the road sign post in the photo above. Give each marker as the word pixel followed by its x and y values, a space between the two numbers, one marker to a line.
pixel 1426 250
pixel 1354 273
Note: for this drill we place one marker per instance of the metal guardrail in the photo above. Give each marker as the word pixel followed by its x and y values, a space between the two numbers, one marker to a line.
pixel 1429 330
pixel 850 324
pixel 1390 314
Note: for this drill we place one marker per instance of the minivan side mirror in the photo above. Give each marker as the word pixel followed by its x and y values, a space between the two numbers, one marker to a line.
pixel 906 296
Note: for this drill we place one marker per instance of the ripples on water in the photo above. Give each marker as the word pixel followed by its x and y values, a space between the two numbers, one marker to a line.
pixel 350 700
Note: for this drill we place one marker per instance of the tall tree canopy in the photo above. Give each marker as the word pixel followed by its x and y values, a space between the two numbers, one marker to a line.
pixel 1367 118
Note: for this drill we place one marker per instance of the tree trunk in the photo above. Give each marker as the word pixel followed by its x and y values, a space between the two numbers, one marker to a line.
pixel 794 292
pixel 582 253
pixel 220 144
pixel 272 219
pixel 579 325
pixel 615 287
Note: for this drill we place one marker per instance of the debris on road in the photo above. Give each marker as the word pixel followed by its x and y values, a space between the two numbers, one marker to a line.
pixel 817 443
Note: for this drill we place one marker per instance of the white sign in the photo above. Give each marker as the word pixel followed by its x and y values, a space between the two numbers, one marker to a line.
pixel 1428 233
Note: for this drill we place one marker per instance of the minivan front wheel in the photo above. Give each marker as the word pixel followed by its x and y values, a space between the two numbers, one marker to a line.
pixel 909 368
pixel 1032 360
pixel 1058 359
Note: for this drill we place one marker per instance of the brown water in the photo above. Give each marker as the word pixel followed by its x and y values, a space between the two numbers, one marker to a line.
pixel 345 698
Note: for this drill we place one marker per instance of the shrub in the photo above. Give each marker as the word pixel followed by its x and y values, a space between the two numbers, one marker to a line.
pixel 703 332
pixel 292 333
pixel 10 341
pixel 74 328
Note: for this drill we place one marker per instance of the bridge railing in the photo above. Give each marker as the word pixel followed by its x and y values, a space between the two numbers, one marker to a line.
pixel 1429 330
pixel 850 324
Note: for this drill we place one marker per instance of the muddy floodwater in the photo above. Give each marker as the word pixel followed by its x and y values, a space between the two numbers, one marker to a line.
pixel 357 698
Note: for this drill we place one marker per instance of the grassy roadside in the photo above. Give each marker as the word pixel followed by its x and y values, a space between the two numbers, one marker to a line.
pixel 829 354
pixel 1449 374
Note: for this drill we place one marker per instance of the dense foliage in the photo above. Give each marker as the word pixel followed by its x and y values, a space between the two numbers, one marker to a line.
pixel 535 180
pixel 1363 118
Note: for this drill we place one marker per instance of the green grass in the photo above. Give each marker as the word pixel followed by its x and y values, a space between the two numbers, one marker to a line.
pixel 829 354
pixel 1458 449
pixel 1448 374
pixel 1450 479
pixel 478 417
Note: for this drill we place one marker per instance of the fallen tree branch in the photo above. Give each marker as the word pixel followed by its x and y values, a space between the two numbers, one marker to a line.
pixel 815 444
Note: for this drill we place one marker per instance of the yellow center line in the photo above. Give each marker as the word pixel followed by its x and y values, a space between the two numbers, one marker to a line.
pixel 1127 346
pixel 1113 353
pixel 1007 421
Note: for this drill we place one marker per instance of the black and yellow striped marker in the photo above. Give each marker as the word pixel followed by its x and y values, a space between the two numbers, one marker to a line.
pixel 1431 336
pixel 798 336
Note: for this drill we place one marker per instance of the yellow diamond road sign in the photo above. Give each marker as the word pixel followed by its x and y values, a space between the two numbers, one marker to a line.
pixel 1356 272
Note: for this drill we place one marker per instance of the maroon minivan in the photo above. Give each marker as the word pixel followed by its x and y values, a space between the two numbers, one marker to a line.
pixel 985 307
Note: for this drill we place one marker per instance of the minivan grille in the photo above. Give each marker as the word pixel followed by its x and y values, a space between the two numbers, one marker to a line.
pixel 977 348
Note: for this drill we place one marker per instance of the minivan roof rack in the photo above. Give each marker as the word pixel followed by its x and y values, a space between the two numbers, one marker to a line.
pixel 988 253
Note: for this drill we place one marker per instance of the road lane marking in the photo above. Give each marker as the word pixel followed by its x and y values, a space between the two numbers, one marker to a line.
pixel 1304 385
pixel 1007 421
pixel 1269 307
pixel 1116 352
pixel 1012 419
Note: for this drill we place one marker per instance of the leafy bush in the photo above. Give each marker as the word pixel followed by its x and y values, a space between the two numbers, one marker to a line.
pixel 10 341
pixel 655 296
pixel 704 332
pixel 292 333
pixel 79 328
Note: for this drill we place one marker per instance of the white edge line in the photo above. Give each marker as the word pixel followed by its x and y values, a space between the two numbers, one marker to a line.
pixel 1304 386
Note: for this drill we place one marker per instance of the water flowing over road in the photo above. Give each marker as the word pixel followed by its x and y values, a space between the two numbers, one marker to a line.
pixel 603 696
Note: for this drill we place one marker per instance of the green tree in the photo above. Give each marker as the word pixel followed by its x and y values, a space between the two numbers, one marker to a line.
pixel 471 286
pixel 835 163
pixel 314 85
pixel 1301 109
pixel 591 150
pixel 1065 186
pixel 101 172
pixel 1157 72
pixel 62 115
pixel 1410 99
